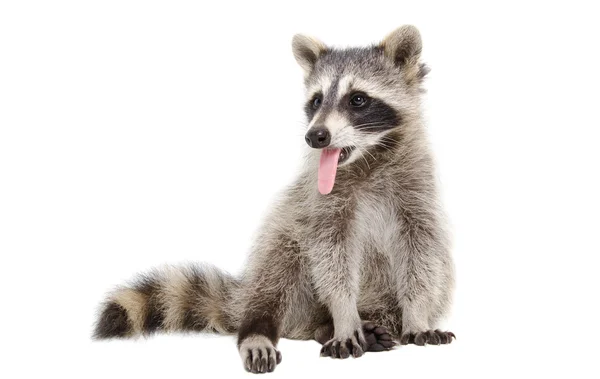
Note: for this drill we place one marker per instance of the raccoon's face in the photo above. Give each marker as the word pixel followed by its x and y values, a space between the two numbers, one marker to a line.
pixel 356 96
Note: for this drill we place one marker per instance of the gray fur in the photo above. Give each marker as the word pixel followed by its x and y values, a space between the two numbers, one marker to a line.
pixel 373 249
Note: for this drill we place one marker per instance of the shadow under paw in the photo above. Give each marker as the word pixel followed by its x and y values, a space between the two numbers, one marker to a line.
pixel 430 337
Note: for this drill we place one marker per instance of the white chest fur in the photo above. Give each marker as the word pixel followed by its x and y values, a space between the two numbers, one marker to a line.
pixel 376 224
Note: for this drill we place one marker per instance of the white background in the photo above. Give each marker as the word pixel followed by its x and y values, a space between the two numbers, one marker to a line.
pixel 135 133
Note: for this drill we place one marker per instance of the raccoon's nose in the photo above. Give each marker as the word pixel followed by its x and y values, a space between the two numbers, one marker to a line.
pixel 318 138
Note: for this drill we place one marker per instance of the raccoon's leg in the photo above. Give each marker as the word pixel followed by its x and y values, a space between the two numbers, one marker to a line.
pixel 377 337
pixel 424 279
pixel 335 272
pixel 275 268
pixel 259 331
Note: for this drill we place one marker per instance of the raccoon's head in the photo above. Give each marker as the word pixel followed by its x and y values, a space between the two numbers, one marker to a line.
pixel 357 96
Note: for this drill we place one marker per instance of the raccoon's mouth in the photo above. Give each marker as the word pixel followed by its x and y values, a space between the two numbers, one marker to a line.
pixel 330 159
pixel 345 154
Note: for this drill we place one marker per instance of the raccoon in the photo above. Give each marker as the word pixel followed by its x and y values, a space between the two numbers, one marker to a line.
pixel 354 254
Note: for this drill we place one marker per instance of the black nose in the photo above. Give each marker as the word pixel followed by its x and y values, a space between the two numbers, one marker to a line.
pixel 318 138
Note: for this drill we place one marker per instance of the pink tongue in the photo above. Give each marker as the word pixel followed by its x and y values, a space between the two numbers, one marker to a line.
pixel 327 169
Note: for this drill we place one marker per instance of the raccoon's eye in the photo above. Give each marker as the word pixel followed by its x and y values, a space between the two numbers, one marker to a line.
pixel 358 100
pixel 316 103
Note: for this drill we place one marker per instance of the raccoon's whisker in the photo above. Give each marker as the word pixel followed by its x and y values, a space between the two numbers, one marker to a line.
pixel 368 123
pixel 364 126
pixel 383 142
pixel 363 156
pixel 368 152
pixel 368 127
pixel 385 147
pixel 375 128
pixel 387 138
pixel 387 126
pixel 389 144
pixel 372 125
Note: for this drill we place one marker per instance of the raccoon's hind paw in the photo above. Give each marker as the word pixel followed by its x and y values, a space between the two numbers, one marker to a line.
pixel 378 338
pixel 343 348
pixel 430 337
pixel 259 355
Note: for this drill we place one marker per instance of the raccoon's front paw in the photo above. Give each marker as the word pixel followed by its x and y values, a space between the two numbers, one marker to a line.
pixel 259 355
pixel 342 348
pixel 430 337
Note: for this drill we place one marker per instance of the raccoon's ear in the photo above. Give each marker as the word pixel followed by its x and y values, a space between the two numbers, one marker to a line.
pixel 403 45
pixel 306 51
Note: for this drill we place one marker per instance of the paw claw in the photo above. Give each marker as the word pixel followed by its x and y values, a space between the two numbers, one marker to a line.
pixel 433 338
pixel 344 351
pixel 370 337
pixel 259 357
pixel 357 352
pixel 343 348
pixel 430 337
pixel 335 347
pixel 420 339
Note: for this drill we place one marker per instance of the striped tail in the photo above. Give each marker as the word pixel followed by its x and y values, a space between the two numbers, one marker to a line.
pixel 173 299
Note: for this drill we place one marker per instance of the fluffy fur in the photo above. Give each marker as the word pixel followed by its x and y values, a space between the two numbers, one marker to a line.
pixel 367 264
